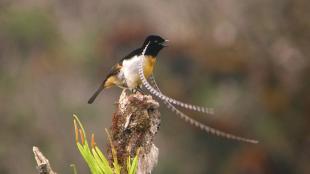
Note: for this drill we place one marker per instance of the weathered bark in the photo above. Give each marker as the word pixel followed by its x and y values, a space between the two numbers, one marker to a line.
pixel 134 126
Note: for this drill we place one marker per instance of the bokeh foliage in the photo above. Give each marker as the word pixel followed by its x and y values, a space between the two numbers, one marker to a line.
pixel 248 59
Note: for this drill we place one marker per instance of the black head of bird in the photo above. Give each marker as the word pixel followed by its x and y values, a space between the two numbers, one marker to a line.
pixel 153 44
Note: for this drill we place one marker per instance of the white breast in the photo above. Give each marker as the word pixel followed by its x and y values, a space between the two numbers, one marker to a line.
pixel 130 70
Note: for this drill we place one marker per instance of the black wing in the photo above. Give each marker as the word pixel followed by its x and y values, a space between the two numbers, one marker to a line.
pixel 136 52
pixel 113 71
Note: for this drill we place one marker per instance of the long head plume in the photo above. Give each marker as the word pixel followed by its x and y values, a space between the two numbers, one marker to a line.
pixel 169 104
pixel 194 122
pixel 171 100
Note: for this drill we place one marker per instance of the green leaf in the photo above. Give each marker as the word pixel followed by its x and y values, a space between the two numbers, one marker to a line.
pixel 102 157
pixel 74 168
pixel 97 162
pixel 88 157
pixel 134 165
pixel 128 163
pixel 80 124
pixel 104 167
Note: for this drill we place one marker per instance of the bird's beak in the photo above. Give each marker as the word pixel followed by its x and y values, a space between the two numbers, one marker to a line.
pixel 165 43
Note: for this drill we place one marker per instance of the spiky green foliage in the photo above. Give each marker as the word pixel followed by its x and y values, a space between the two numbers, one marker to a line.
pixel 93 156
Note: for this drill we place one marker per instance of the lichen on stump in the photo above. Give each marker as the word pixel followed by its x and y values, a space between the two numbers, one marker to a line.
pixel 134 126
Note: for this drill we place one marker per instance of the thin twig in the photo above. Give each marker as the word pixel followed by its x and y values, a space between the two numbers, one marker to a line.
pixel 44 166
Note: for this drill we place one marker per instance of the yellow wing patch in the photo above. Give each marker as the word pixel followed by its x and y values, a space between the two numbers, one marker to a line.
pixel 112 79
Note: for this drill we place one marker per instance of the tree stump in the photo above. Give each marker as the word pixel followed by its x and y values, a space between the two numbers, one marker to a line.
pixel 134 126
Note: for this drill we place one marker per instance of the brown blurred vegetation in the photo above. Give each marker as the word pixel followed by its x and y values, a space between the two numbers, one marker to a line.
pixel 248 59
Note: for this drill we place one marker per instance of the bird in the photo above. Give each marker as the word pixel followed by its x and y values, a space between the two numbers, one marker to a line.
pixel 124 73
pixel 132 71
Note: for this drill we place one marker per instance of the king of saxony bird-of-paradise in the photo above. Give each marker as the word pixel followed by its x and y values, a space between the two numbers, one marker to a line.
pixel 132 72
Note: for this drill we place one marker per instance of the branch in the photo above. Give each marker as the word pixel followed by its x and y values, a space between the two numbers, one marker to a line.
pixel 44 166
pixel 134 126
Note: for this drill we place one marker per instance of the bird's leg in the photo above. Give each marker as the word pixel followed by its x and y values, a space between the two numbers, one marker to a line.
pixel 139 88
pixel 134 90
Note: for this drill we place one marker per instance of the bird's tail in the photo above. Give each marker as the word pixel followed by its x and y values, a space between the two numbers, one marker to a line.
pixel 108 82
pixel 94 96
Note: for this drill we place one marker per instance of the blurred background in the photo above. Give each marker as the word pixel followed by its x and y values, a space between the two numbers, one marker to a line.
pixel 247 59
